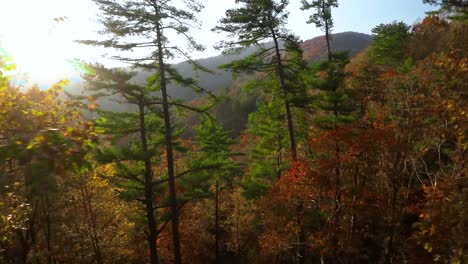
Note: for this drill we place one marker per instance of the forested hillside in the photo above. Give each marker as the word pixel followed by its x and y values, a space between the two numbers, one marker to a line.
pixel 346 148
pixel 221 81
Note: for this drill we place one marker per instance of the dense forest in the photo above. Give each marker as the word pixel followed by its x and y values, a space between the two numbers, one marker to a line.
pixel 346 148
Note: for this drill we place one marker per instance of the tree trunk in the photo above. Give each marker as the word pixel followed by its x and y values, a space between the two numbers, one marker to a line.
pixel 397 170
pixel 327 33
pixel 152 236
pixel 90 214
pixel 169 151
pixel 48 230
pixel 282 79
pixel 217 223
pixel 292 142
pixel 238 224
pixel 278 157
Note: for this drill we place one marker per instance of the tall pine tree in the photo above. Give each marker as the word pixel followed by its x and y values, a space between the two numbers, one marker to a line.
pixel 215 143
pixel 251 24
pixel 146 24
pixel 134 161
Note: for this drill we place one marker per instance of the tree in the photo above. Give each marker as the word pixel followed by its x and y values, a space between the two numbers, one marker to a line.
pixel 94 216
pixel 267 156
pixel 456 9
pixel 214 144
pixel 43 140
pixel 134 162
pixel 151 21
pixel 251 24
pixel 389 42
pixel 322 18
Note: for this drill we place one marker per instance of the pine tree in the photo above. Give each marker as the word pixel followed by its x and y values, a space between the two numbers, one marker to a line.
pixel 454 9
pixel 267 157
pixel 151 21
pixel 328 77
pixel 215 143
pixel 255 22
pixel 389 48
pixel 322 18
pixel 141 129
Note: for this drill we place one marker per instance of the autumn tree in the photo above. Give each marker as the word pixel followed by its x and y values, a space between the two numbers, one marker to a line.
pixel 44 139
pixel 98 220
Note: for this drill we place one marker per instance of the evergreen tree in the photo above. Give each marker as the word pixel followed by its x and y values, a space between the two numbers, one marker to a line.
pixel 322 18
pixel 328 77
pixel 255 22
pixel 215 143
pixel 143 24
pixel 389 48
pixel 141 129
pixel 455 9
pixel 267 158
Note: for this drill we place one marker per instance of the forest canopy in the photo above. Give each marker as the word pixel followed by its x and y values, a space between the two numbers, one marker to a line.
pixel 347 148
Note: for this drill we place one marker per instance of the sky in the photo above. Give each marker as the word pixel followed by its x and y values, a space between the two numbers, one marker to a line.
pixel 42 48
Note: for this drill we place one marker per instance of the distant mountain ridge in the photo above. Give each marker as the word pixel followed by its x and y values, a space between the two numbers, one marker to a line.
pixel 234 112
pixel 315 49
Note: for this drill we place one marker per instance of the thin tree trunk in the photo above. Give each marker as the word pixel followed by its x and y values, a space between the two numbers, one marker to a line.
pixel 354 214
pixel 393 203
pixel 48 231
pixel 237 224
pixel 390 247
pixel 152 236
pixel 327 34
pixel 292 142
pixel 168 139
pixel 282 79
pixel 217 223
pixel 278 157
pixel 92 218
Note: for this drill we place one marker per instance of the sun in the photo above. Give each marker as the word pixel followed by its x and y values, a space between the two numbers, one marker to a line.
pixel 41 56
pixel 42 45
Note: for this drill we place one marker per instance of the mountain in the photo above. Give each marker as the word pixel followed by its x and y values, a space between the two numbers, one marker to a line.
pixel 233 113
pixel 315 49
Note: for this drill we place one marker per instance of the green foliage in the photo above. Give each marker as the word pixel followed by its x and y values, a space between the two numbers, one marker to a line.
pixel 267 158
pixel 215 161
pixel 252 24
pixel 323 16
pixel 390 40
pixel 328 78
pixel 130 150
pixel 456 9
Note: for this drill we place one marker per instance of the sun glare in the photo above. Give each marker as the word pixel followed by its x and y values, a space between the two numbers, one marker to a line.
pixel 41 55
pixel 40 45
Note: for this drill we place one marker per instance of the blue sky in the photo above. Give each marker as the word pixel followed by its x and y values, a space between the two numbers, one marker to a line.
pixel 29 33
pixel 362 15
